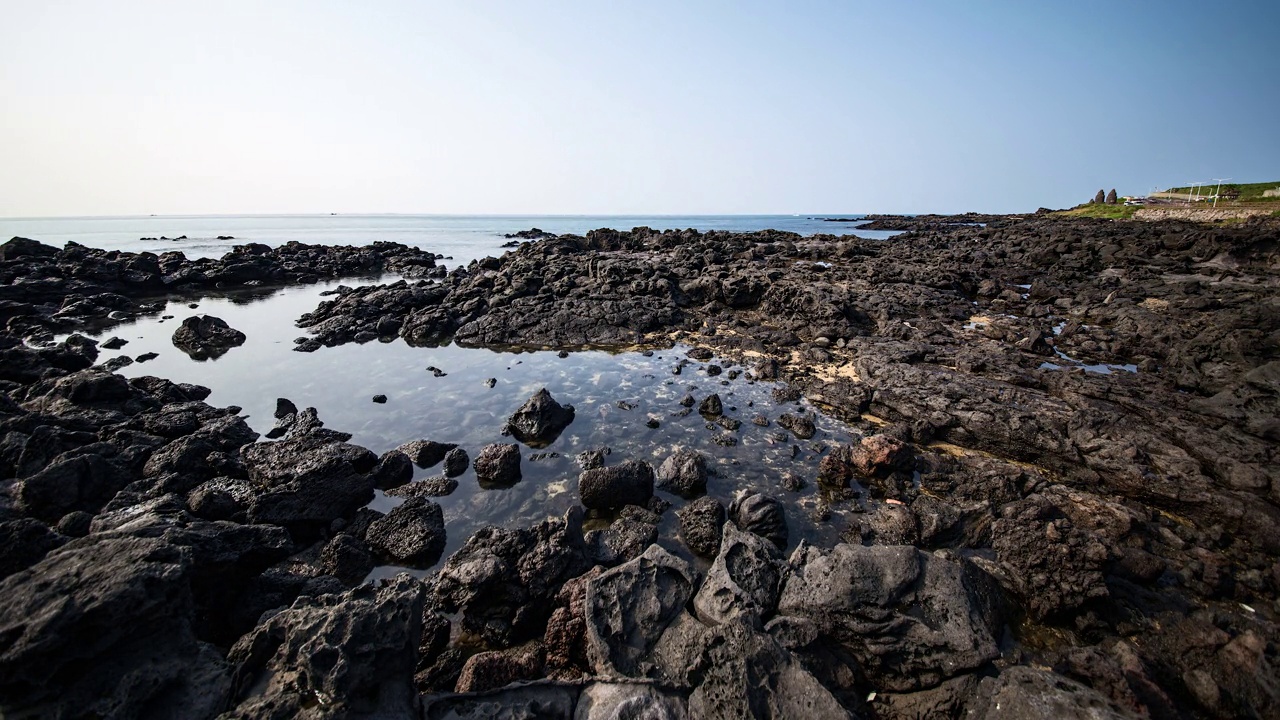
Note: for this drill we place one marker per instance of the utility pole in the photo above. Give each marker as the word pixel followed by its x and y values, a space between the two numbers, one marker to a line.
pixel 1218 192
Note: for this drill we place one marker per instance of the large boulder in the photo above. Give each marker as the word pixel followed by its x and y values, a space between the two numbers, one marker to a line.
pixel 333 656
pixel 700 523
pixel 540 420
pixel 25 541
pixel 684 473
pixel 628 483
pixel 748 674
pixel 304 484
pixel 744 580
pixel 205 337
pixel 621 701
pixel 629 607
pixel 760 514
pixel 910 618
pixel 502 583
pixel 20 247
pixel 1055 566
pixel 103 627
pixel 411 534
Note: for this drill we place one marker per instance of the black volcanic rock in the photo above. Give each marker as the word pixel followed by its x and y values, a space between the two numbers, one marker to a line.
pixel 498 465
pixel 540 420
pixel 411 534
pixel 628 483
pixel 205 337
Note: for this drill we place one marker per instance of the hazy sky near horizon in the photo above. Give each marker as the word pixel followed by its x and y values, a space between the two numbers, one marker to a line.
pixel 553 107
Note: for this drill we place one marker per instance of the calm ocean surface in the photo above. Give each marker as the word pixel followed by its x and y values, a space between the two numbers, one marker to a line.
pixel 464 237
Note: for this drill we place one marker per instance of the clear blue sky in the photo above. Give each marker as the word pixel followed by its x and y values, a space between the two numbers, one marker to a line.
pixel 626 107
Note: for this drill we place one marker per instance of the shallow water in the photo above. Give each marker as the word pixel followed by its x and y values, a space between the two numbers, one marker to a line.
pixel 460 408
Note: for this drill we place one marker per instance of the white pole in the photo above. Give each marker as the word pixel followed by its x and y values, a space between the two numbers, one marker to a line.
pixel 1219 190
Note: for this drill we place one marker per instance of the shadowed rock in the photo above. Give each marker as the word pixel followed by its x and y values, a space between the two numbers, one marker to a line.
pixel 205 337
pixel 628 483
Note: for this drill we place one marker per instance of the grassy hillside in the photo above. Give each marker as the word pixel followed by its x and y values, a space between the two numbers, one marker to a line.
pixel 1249 192
pixel 1110 212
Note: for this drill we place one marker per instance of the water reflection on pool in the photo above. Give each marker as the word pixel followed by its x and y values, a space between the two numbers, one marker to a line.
pixel 460 407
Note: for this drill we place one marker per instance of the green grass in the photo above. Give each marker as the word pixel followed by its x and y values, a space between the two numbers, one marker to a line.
pixel 1249 192
pixel 1108 212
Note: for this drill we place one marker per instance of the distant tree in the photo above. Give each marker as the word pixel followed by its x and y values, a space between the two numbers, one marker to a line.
pixel 1111 197
pixel 1100 198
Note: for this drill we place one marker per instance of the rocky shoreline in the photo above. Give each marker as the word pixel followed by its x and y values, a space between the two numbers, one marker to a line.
pixel 1066 476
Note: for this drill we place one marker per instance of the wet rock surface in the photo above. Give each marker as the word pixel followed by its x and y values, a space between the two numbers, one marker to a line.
pixel 1058 495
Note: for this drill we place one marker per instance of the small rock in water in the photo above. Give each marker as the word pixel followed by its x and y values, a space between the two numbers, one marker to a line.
pixel 801 425
pixel 603 488
pixel 624 405
pixel 711 406
pixel 426 453
pixel 193 306
pixel 394 469
pixel 687 401
pixel 490 383
pixel 760 419
pixel 456 462
pixel 116 363
pixel 144 357
pixel 653 422
pixel 724 439
pixel 562 354
pixel 115 343
pixel 380 399
pixel 437 372
pixel 733 374
pixel 436 486
pixel 684 473
pixel 540 420
pixel 793 482
pixel 701 353
pixel 498 465
pixel 588 459
pixel 205 337
pixel 728 423
pixel 714 370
